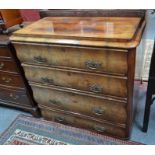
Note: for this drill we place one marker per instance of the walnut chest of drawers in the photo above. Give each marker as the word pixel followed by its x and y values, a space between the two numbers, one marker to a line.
pixel 14 90
pixel 81 70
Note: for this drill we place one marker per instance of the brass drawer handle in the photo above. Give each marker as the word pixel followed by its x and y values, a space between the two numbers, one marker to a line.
pixel 59 119
pixel 98 111
pixel 93 65
pixel 95 89
pixel 6 80
pixel 39 59
pixel 54 102
pixel 1 65
pixel 15 97
pixel 99 128
pixel 47 80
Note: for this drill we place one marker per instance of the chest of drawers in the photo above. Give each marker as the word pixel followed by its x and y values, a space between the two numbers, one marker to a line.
pixel 13 87
pixel 81 70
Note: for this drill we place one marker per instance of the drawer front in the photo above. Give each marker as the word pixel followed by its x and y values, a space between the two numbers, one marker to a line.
pixel 81 122
pixel 14 96
pixel 5 52
pixel 111 110
pixel 95 83
pixel 8 65
pixel 103 60
pixel 9 79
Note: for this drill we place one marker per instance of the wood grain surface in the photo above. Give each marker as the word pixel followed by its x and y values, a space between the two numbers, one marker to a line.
pixel 104 109
pixel 81 70
pixel 88 43
pixel 94 28
pixel 82 122
pixel 104 60
pixel 96 83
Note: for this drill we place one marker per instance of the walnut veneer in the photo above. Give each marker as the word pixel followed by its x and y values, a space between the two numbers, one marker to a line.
pixel 81 70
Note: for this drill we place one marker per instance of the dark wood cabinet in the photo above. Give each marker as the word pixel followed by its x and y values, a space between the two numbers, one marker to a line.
pixel 14 90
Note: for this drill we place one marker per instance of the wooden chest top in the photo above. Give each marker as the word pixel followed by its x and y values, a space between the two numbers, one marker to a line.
pixel 90 31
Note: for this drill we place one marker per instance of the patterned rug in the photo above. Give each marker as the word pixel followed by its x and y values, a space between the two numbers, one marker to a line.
pixel 26 130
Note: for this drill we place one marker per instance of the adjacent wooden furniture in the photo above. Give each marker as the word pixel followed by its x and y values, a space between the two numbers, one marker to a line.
pixel 9 18
pixel 81 70
pixel 150 92
pixel 14 91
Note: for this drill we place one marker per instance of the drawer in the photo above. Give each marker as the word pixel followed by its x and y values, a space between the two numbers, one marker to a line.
pixel 81 122
pixel 14 96
pixel 98 107
pixel 12 80
pixel 8 65
pixel 5 52
pixel 100 60
pixel 92 82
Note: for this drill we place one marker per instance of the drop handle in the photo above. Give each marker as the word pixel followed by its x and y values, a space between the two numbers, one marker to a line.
pixel 99 128
pixel 1 65
pixel 39 59
pixel 59 119
pixel 98 111
pixel 15 97
pixel 90 64
pixel 7 80
pixel 96 89
pixel 47 80
pixel 54 102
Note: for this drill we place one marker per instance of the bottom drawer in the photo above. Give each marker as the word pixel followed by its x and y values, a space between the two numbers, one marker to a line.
pixel 80 122
pixel 14 96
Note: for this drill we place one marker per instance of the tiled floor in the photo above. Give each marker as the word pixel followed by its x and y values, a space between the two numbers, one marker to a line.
pixel 8 115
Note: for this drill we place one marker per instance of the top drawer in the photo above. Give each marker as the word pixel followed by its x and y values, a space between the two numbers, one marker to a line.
pixel 98 60
pixel 5 52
